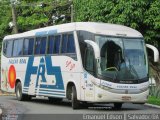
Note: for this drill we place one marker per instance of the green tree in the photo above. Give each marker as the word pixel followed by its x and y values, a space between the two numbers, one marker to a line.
pixel 152 23
pixel 39 13
pixel 33 14
pixel 5 18
pixel 142 15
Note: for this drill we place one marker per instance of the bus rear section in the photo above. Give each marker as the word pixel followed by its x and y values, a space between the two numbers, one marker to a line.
pixel 41 64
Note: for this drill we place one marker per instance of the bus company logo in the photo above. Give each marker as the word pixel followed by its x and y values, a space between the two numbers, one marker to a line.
pixel 70 65
pixel 12 76
pixel 42 71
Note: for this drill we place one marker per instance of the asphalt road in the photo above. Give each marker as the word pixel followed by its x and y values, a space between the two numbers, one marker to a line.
pixel 42 106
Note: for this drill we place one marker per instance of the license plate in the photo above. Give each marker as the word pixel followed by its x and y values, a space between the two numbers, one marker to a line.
pixel 126 98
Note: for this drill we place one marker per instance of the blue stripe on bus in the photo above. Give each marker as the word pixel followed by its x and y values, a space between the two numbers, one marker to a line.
pixel 57 92
pixel 52 93
pixel 51 86
pixel 47 90
pixel 25 88
pixel 25 91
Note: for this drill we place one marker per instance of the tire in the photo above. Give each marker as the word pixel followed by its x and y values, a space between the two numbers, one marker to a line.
pixel 117 106
pixel 20 96
pixel 85 104
pixel 75 102
pixel 54 100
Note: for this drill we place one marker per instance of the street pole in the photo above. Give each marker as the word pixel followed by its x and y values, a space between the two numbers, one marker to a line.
pixel 15 28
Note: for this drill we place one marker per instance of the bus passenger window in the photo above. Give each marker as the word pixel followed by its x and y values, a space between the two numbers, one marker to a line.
pixel 64 43
pixel 40 47
pixel 18 47
pixel 4 47
pixel 70 44
pixel 43 45
pixel 50 44
pixel 28 46
pixel 9 48
pixel 37 45
pixel 57 44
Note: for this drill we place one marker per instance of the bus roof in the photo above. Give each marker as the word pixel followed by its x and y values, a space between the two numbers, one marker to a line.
pixel 94 27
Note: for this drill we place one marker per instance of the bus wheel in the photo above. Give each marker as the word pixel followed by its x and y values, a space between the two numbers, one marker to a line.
pixel 55 100
pixel 117 106
pixel 20 96
pixel 75 102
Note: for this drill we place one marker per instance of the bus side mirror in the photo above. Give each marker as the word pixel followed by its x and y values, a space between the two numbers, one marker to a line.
pixel 154 52
pixel 95 48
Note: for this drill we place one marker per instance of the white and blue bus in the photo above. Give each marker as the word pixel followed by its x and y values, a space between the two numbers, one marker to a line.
pixel 82 61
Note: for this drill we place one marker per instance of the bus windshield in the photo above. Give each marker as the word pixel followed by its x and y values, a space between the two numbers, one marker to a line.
pixel 122 59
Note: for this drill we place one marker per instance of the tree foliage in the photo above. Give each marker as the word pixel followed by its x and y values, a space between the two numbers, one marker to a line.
pixel 39 13
pixel 32 14
pixel 5 18
pixel 143 15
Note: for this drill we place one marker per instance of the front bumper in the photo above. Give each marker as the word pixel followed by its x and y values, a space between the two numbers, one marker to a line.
pixel 102 95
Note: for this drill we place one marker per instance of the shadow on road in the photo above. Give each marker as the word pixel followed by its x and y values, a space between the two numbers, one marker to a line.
pixel 89 106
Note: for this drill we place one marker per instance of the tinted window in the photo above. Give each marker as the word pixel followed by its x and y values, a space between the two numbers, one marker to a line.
pixel 18 47
pixel 9 45
pixel 70 44
pixel 28 46
pixel 50 44
pixel 83 47
pixel 4 47
pixel 64 43
pixel 37 45
pixel 57 44
pixel 85 35
pixel 43 45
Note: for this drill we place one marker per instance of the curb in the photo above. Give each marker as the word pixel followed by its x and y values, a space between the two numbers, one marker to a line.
pixel 7 95
pixel 151 105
